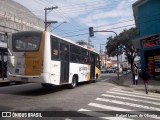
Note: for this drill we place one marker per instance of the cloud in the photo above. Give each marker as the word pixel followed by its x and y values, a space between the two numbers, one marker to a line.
pixel 121 12
pixel 85 12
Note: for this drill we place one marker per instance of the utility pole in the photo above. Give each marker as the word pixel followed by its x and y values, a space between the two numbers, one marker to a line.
pixel 47 23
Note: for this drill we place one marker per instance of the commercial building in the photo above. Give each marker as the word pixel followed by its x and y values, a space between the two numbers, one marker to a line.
pixel 147 19
pixel 13 18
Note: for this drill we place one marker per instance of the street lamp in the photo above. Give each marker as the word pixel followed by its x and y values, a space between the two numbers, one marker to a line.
pixel 58 25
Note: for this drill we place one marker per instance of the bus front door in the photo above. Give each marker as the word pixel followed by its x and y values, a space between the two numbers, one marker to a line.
pixel 92 68
pixel 64 54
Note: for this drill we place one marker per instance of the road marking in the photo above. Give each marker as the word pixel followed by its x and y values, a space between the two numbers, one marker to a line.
pixel 117 88
pixel 128 104
pixel 137 93
pixel 108 107
pixel 119 93
pixel 83 109
pixel 91 113
pixel 131 99
pixel 105 80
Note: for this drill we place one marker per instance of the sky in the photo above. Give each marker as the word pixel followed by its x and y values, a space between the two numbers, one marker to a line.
pixel 75 17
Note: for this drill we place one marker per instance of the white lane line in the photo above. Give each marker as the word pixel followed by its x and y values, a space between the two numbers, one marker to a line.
pixel 131 99
pixel 128 104
pixel 137 93
pixel 117 88
pixel 105 80
pixel 91 113
pixel 139 96
pixel 108 107
pixel 84 109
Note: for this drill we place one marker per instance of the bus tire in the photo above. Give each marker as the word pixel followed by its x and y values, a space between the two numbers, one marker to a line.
pixel 74 82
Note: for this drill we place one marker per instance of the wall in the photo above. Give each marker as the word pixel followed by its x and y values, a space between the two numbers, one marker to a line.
pixel 149 18
pixel 15 17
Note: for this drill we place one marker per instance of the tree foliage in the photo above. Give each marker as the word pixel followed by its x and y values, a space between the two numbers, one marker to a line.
pixel 124 39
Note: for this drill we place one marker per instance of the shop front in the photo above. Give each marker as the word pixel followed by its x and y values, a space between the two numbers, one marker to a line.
pixel 150 55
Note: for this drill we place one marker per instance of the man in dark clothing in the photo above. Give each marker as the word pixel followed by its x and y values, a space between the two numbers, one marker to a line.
pixel 146 77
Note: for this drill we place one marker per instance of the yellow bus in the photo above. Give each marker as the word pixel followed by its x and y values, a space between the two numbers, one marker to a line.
pixel 42 57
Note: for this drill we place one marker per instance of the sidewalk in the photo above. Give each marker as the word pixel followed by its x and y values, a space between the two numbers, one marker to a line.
pixel 126 80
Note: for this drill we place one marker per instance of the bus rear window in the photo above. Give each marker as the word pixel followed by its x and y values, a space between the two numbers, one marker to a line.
pixel 26 41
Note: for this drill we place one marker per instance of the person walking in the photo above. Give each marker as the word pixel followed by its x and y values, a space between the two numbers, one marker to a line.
pixel 146 76
pixel 135 74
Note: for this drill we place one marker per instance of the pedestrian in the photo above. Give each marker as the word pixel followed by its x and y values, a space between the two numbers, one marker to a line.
pixel 146 76
pixel 136 69
pixel 135 74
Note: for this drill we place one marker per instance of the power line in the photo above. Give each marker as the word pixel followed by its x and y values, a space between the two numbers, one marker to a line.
pixel 106 29
pixel 42 3
pixel 113 23
pixel 117 27
pixel 77 35
pixel 86 29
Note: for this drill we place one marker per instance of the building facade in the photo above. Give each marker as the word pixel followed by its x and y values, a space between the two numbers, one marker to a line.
pixel 13 18
pixel 105 60
pixel 147 19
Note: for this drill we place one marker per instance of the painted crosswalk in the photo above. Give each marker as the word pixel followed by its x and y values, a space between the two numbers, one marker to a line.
pixel 123 104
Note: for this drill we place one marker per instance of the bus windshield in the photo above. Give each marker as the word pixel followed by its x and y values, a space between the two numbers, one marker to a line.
pixel 26 41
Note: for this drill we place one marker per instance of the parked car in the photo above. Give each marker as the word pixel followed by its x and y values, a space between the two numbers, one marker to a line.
pixel 103 70
pixel 111 70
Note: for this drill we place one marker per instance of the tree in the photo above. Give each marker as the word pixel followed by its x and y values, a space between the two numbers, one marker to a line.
pixel 127 47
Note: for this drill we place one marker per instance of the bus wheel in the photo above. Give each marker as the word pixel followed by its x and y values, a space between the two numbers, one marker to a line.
pixel 74 82
pixel 47 86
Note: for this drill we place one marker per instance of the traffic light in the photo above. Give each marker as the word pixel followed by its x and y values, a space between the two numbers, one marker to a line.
pixel 119 46
pixel 91 32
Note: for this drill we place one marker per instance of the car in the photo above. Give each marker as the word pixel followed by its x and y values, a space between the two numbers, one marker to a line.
pixel 111 70
pixel 103 70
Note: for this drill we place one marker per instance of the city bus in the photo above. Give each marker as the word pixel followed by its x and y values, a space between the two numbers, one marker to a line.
pixel 42 57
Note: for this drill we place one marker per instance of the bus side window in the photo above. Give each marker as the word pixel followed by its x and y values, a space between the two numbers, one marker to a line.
pixel 85 57
pixel 54 48
pixel 86 60
pixel 97 61
pixel 55 52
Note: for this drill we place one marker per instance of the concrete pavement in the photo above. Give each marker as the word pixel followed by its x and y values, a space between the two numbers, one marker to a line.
pixel 126 80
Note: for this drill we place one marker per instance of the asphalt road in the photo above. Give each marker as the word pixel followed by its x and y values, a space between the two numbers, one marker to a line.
pixel 102 99
pixel 34 97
